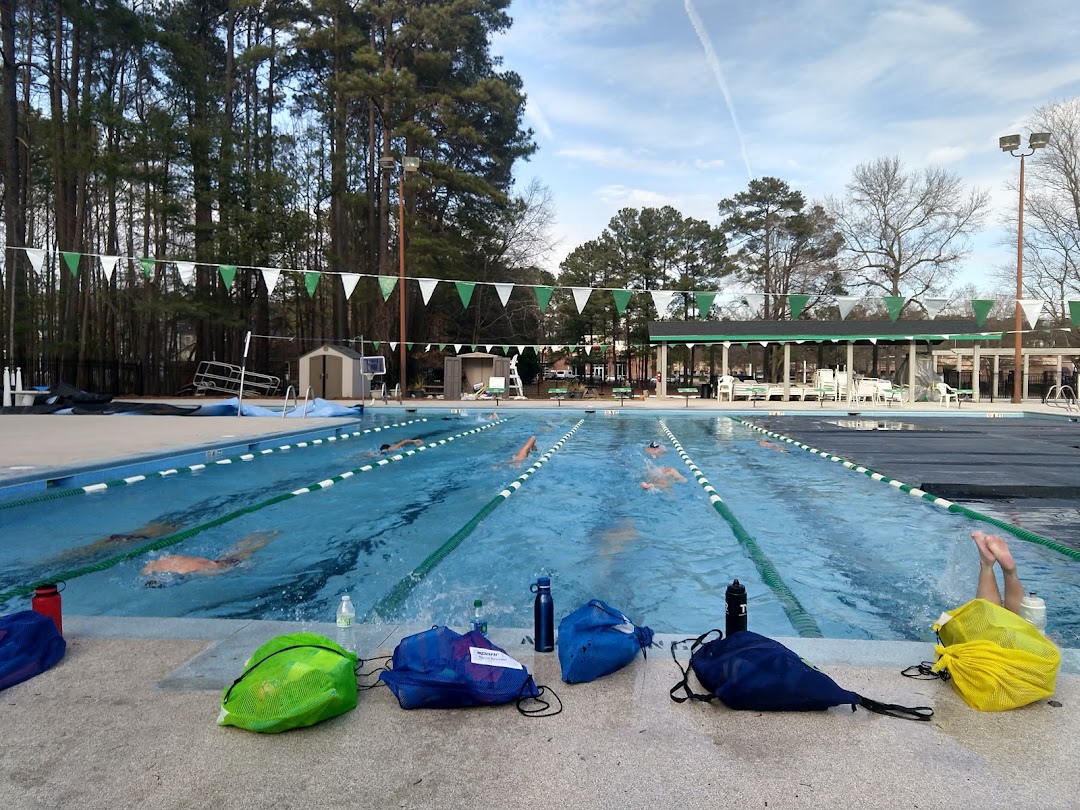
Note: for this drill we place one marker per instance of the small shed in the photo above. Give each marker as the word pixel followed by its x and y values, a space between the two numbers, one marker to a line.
pixel 462 373
pixel 333 372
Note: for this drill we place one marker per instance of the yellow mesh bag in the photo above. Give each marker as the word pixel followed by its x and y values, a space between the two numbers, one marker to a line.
pixel 995 659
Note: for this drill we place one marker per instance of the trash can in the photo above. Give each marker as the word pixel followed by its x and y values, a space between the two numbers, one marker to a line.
pixel 706 390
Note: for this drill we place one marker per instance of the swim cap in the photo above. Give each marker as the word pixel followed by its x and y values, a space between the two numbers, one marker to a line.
pixel 654 444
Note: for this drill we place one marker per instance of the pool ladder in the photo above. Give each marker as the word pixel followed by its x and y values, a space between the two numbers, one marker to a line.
pixel 292 392
pixel 1057 393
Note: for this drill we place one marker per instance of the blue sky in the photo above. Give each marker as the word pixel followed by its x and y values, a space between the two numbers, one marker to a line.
pixel 680 102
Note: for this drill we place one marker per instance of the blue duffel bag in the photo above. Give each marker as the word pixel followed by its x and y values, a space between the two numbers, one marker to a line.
pixel 29 645
pixel 596 640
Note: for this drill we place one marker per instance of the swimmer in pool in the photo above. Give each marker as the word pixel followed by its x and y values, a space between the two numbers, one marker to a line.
pixel 662 478
pixel 181 565
pixel 655 449
pixel 528 447
pixel 994 550
pixel 150 531
pixel 772 446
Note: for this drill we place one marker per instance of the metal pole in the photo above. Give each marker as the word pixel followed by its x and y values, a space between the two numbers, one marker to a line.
pixel 401 278
pixel 1018 337
pixel 243 370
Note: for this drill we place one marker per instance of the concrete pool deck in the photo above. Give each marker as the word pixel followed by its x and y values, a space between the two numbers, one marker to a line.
pixel 127 719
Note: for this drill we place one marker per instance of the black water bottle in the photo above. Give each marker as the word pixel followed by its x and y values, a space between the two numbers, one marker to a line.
pixel 736 607
pixel 543 616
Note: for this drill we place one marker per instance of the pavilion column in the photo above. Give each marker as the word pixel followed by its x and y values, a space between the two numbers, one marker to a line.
pixel 995 376
pixel 975 369
pixel 661 382
pixel 787 372
pixel 724 359
pixel 850 372
pixel 1058 380
pixel 1027 371
pixel 911 372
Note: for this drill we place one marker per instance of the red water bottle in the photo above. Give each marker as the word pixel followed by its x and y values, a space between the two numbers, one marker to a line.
pixel 46 601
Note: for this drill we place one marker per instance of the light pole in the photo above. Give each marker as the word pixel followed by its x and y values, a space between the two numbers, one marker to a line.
pixel 1011 144
pixel 408 164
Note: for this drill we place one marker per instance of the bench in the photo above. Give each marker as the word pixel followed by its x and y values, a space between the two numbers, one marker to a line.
pixel 558 393
pixel 687 393
pixel 623 394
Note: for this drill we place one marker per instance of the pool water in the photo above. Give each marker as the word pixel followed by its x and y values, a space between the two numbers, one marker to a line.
pixel 862 559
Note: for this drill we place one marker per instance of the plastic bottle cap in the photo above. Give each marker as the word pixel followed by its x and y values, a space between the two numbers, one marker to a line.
pixel 346 598
pixel 544 582
pixel 478 603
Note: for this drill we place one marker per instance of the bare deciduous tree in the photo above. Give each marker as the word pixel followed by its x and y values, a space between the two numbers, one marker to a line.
pixel 906 232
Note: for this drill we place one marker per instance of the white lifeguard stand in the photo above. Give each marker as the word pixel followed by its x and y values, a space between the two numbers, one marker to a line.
pixel 516 389
pixel 371 367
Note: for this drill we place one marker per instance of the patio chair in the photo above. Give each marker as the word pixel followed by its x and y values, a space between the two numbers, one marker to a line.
pixel 726 385
pixel 947 394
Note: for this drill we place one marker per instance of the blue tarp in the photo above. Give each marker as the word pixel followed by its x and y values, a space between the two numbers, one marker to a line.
pixel 317 408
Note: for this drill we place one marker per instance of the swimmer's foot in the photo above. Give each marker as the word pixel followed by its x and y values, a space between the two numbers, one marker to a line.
pixel 1001 553
pixel 986 554
pixel 647 485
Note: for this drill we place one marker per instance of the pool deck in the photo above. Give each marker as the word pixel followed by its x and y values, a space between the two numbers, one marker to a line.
pixel 127 719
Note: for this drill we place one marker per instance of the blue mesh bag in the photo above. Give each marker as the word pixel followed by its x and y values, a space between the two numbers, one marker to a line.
pixel 29 645
pixel 441 669
pixel 749 671
pixel 596 640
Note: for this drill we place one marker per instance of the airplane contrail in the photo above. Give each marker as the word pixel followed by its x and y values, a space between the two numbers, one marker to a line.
pixel 718 74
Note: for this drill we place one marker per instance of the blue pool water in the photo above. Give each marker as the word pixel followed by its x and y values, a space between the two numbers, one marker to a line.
pixel 859 558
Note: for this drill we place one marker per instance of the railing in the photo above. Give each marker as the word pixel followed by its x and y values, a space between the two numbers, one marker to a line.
pixel 290 391
pixel 226 378
pixel 1059 392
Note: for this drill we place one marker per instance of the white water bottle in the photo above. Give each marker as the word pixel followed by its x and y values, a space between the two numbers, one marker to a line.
pixel 1033 608
pixel 346 620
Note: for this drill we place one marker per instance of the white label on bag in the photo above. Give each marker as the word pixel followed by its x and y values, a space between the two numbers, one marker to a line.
pixel 493 658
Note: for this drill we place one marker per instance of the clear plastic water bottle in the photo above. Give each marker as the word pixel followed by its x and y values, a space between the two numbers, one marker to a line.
pixel 346 621
pixel 479 623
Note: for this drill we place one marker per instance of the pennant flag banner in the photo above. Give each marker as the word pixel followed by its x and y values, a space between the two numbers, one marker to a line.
pixel 465 291
pixel 427 287
pixel 661 300
pixel 797 304
pixel 393 345
pixel 311 281
pixel 755 301
pixel 521 348
pixel 228 274
pixel 704 303
pixel 894 303
pixel 442 347
pixel 376 344
pixel 147 267
pixel 473 348
pixel 581 297
pixel 348 283
pixel 981 307
pixel 108 264
pixel 72 261
pixel 457 348
pixel 408 346
pixel 1032 310
pixel 588 350
pixel 489 347
pixel 506 348
pixel 386 286
pixel 873 342
pixel 543 297
pixel 622 298
pixel 186 272
pixel 846 303
pixel 36 257
pixel 270 277
pixel 1074 313
pixel 504 291
pixel 934 306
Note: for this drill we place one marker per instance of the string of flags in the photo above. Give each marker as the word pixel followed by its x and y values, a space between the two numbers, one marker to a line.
pixel 661 299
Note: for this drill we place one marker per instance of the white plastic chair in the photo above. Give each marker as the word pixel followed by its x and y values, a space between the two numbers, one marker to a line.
pixel 726 385
pixel 867 390
pixel 947 394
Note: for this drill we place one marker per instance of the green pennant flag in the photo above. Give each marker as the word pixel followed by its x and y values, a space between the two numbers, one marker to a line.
pixel 408 346
pixel 603 351
pixel 376 343
pixel 981 307
pixel 475 347
pixel 147 267
pixel 894 303
pixel 506 348
pixel 311 281
pixel 622 298
pixel 228 274
pixel 798 304
pixel 72 261
pixel 1074 313
pixel 704 303
pixel 442 348
pixel 386 286
pixel 543 296
pixel 465 291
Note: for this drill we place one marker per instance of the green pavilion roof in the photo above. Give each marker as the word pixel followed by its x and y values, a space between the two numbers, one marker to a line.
pixel 935 331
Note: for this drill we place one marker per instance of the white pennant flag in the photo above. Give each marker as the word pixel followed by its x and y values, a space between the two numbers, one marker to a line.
pixel 36 257
pixel 108 264
pixel 661 300
pixel 555 347
pixel 427 348
pixel 755 301
pixel 457 348
pixel 521 348
pixel 766 343
pixel 588 349
pixel 690 345
pixel 504 291
pixel 1032 310
pixel 393 345
pixel 934 306
pixel 186 271
pixel 846 304
pixel 581 297
pixel 873 342
pixel 487 347
pixel 270 278
pixel 427 287
pixel 348 282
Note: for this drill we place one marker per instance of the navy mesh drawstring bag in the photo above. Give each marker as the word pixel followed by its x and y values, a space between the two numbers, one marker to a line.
pixel 749 671
pixel 596 640
pixel 441 669
pixel 29 645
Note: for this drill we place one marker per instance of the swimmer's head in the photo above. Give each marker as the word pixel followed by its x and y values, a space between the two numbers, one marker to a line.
pixel 654 445
pixel 384 448
pixel 163 580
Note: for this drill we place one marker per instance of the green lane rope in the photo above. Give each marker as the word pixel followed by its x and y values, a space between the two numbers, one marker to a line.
pixel 915 492
pixel 134 479
pixel 390 603
pixel 802 621
pixel 173 539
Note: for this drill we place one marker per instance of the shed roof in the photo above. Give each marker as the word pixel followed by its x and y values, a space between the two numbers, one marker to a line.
pixel 327 347
pixel 934 331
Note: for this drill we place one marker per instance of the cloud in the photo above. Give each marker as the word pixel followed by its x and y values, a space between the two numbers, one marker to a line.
pixel 535 115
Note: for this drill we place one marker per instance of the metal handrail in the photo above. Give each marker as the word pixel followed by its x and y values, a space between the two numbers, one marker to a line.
pixel 1058 392
pixel 309 393
pixel 285 407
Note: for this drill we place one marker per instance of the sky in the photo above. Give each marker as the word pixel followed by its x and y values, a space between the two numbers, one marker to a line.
pixel 638 103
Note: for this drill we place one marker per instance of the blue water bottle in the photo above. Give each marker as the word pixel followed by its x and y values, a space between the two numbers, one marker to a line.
pixel 543 616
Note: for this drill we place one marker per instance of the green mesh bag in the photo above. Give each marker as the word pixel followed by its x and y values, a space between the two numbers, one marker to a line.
pixel 291 681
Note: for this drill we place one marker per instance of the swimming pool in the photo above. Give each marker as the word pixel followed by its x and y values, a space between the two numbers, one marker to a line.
pixel 853 557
